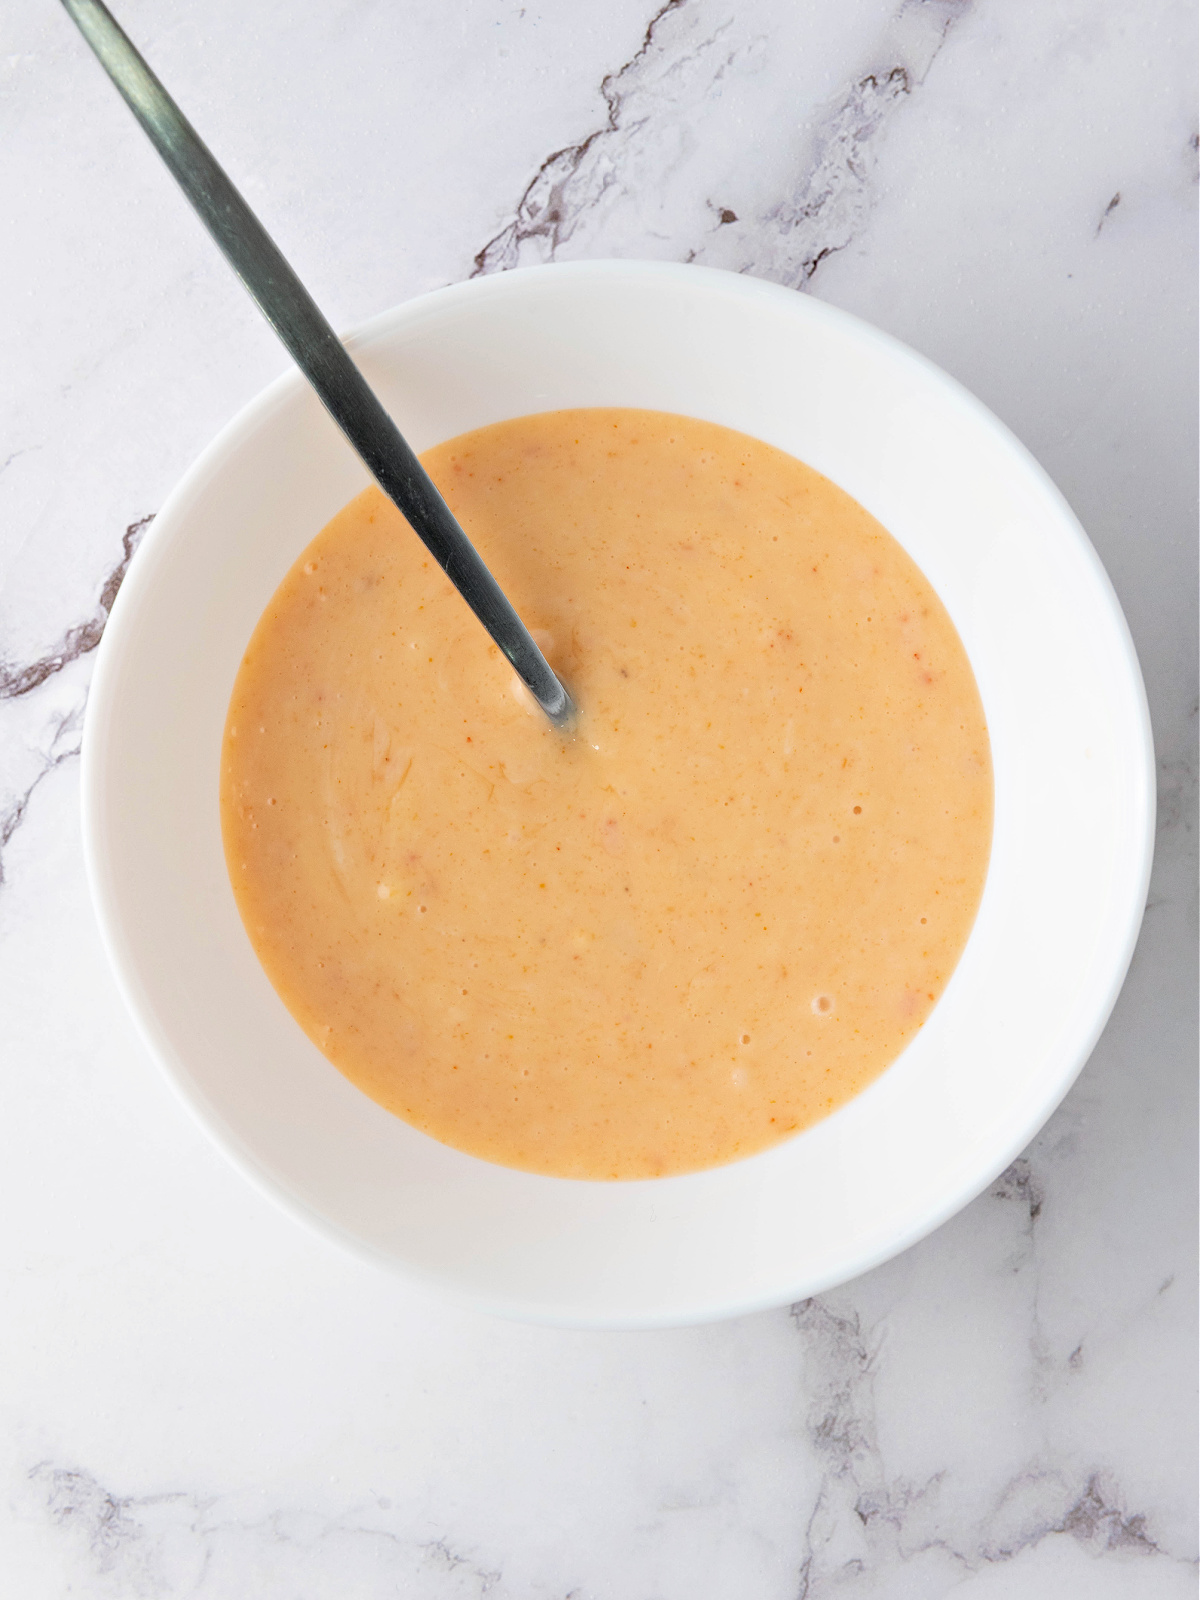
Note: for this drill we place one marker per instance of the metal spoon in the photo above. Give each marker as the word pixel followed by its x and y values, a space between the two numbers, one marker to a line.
pixel 317 351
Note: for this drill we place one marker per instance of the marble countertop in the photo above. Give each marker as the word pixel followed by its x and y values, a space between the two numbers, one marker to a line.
pixel 199 1399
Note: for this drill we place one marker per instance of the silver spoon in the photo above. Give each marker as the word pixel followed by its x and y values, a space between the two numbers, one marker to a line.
pixel 317 351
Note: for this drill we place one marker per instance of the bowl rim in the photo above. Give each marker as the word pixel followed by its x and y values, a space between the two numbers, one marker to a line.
pixel 123 961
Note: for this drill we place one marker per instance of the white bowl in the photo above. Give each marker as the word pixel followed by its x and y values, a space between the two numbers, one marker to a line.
pixel 1074 801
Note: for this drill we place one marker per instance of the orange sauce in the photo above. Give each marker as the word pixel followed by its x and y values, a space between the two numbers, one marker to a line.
pixel 708 920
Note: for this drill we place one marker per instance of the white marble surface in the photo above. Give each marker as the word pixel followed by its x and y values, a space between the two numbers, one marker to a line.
pixel 197 1399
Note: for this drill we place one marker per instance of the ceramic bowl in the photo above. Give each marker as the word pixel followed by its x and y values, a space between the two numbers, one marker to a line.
pixel 1073 822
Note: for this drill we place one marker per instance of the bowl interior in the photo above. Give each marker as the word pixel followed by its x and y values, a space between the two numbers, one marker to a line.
pixel 1070 740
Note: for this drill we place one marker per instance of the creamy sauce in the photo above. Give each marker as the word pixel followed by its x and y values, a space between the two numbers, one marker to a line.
pixel 715 915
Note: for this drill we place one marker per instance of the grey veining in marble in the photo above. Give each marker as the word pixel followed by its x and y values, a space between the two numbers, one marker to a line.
pixel 620 172
pixel 198 1399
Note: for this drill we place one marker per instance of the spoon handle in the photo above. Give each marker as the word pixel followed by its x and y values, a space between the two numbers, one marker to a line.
pixel 317 350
